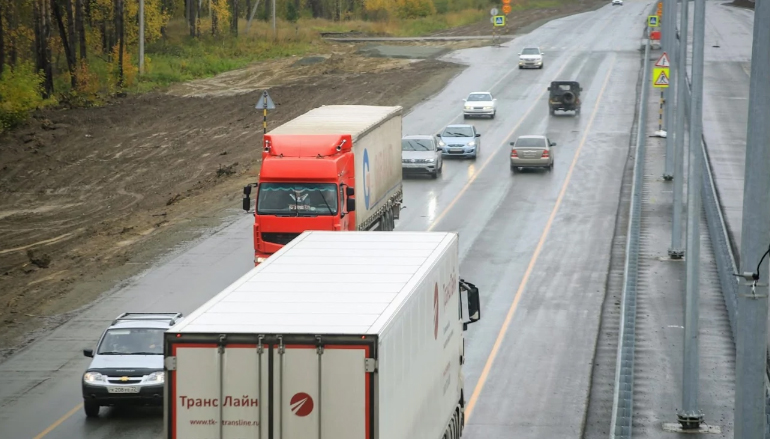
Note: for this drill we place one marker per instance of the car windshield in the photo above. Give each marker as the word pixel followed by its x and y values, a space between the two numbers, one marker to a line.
pixel 530 142
pixel 457 132
pixel 475 97
pixel 132 341
pixel 297 199
pixel 530 51
pixel 417 145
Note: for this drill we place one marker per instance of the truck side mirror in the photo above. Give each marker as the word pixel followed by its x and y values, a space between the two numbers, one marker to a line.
pixel 88 353
pixel 246 198
pixel 474 302
pixel 350 204
pixel 549 89
pixel 349 191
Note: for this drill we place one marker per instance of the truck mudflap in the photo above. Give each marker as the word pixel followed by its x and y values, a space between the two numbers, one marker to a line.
pixel 270 390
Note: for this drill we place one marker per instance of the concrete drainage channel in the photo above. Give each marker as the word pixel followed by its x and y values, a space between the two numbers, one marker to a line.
pixel 621 425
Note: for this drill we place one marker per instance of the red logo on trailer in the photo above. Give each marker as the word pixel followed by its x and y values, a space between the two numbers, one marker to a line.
pixel 301 404
pixel 435 313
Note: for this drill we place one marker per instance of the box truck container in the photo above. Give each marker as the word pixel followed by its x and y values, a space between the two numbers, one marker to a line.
pixel 336 168
pixel 339 335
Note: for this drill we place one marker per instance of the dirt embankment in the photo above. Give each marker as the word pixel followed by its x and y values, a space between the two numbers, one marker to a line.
pixel 89 197
pixel 86 195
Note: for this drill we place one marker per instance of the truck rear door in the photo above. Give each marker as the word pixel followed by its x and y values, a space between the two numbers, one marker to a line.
pixel 278 391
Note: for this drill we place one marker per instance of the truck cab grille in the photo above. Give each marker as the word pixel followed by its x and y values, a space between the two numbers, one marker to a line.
pixel 279 238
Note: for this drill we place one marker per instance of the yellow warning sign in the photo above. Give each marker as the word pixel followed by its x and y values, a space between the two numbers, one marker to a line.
pixel 660 77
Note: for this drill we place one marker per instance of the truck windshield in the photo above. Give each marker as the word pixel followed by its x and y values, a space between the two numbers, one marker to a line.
pixel 297 199
pixel 132 341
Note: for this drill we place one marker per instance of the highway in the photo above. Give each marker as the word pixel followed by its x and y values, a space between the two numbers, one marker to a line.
pixel 537 244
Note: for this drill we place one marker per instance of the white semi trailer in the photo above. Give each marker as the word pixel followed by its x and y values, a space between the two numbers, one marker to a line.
pixel 339 335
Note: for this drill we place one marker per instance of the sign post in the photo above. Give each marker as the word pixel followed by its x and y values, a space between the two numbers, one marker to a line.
pixel 660 79
pixel 264 104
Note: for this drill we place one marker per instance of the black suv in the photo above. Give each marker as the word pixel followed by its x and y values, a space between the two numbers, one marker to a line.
pixel 127 366
pixel 564 96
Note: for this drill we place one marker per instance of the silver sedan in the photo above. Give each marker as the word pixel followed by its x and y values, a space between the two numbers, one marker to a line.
pixel 531 152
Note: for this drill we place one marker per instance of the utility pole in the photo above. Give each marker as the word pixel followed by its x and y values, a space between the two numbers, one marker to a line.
pixel 690 417
pixel 751 326
pixel 141 37
pixel 676 251
pixel 274 31
pixel 669 42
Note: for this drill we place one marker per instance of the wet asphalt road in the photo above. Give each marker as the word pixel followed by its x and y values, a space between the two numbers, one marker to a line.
pixel 537 240
pixel 727 70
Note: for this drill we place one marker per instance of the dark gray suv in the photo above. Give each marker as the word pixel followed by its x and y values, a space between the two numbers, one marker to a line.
pixel 127 366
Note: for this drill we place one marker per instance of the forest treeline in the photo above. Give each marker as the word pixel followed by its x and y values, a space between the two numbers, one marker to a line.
pixel 71 51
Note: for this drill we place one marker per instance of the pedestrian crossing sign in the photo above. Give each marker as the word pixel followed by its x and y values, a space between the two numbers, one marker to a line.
pixel 652 21
pixel 499 20
pixel 660 77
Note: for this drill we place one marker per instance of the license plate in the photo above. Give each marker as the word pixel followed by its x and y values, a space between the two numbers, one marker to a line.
pixel 478 108
pixel 456 150
pixel 123 389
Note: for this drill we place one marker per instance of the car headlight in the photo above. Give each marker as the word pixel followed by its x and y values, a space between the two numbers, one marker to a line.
pixel 155 378
pixel 471 143
pixel 468 107
pixel 94 377
pixel 430 160
pixel 487 108
pixel 441 143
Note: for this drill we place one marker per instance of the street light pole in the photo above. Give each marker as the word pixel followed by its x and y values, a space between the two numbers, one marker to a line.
pixel 141 36
pixel 690 417
pixel 751 326
pixel 669 42
pixel 676 251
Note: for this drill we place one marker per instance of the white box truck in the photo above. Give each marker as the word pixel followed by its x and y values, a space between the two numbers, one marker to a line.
pixel 339 335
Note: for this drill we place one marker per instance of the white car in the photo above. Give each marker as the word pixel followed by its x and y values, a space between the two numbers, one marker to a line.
pixel 617 2
pixel 531 57
pixel 480 103
pixel 421 154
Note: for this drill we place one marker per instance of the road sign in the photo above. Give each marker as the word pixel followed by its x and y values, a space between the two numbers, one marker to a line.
pixel 660 77
pixel 265 98
pixel 493 12
pixel 663 61
pixel 506 9
pixel 652 21
pixel 506 2
pixel 660 9
pixel 499 20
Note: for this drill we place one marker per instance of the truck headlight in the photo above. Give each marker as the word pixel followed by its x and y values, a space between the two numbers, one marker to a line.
pixel 259 260
pixel 155 377
pixel 94 377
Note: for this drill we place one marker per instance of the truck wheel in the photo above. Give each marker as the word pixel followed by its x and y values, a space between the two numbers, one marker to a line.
pixel 91 408
pixel 552 111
